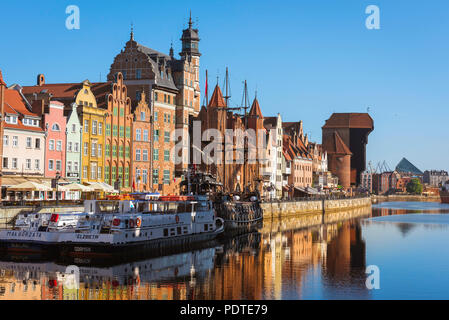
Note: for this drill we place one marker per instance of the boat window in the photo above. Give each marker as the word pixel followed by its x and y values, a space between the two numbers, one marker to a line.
pixel 179 230
pixel 205 227
pixel 181 207
pixel 165 232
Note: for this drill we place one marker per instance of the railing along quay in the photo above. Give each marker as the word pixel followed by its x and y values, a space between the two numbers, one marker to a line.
pixel 321 198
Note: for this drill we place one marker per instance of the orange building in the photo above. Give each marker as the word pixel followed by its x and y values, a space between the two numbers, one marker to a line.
pixel 141 146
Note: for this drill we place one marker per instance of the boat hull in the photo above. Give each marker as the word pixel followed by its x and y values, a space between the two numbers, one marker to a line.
pixel 146 248
pixel 240 217
pixel 444 195
pixel 28 242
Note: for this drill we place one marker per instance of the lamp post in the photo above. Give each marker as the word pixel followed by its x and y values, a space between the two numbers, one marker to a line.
pixel 56 183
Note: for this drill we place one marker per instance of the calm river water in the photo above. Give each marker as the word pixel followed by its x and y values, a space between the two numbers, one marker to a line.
pixel 286 259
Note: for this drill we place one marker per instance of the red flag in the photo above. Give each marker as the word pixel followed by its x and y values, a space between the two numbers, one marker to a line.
pixel 134 185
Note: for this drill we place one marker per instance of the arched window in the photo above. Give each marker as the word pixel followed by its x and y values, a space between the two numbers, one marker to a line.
pixel 55 127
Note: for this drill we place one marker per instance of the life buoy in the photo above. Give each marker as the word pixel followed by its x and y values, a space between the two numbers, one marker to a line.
pixel 131 223
pixel 138 222
pixel 177 219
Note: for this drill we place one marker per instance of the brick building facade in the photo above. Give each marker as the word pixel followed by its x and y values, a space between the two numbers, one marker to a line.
pixel 141 146
pixel 172 91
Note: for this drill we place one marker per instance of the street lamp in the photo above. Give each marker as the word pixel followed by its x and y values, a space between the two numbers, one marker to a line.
pixel 55 183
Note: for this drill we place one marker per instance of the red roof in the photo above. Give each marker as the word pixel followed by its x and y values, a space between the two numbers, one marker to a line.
pixel 1 79
pixel 255 109
pixel 58 90
pixel 217 98
pixel 14 104
pixel 350 120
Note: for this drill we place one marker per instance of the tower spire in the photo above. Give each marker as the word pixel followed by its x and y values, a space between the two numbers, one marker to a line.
pixel 190 20
pixel 132 31
pixel 171 50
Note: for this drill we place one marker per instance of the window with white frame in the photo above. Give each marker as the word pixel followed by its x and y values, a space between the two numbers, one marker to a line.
pixel 5 140
pixel 37 143
pixel 75 166
pixel 37 164
pixel 137 154
pixel 86 148
pixel 69 166
pixel 58 145
pixel 77 147
pixel 15 141
pixel 145 155
pixel 93 171
pixel 14 163
pixel 28 164
pixel 51 145
pixel 55 127
pixel 138 134
pixel 69 146
pixel 94 127
pixel 51 165
pixel 5 163
pixel 58 165
pixel 11 119
pixel 86 126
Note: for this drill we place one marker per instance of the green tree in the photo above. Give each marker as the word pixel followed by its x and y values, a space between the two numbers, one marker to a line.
pixel 414 186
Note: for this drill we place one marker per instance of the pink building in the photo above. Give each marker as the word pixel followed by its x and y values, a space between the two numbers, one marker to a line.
pixel 55 129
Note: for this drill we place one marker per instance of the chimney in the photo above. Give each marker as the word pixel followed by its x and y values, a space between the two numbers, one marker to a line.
pixel 40 79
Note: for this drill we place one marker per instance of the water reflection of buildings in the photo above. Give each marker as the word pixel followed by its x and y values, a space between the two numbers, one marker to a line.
pixel 272 264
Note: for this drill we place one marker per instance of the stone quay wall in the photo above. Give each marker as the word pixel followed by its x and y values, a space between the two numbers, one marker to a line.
pixel 311 220
pixel 279 209
pixel 397 197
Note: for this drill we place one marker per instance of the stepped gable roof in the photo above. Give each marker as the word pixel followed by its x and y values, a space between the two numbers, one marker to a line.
pixel 217 99
pixel 405 166
pixel 160 60
pixel 255 109
pixel 350 120
pixel 336 145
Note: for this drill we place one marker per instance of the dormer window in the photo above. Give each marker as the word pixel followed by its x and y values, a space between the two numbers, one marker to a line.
pixel 11 119
pixel 30 122
pixel 55 127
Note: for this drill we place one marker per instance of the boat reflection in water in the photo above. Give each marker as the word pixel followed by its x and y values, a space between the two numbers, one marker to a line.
pixel 295 258
pixel 166 277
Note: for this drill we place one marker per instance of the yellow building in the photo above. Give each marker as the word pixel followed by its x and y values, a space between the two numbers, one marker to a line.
pixel 92 121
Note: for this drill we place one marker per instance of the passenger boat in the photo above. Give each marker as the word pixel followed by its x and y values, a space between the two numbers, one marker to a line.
pixel 132 226
pixel 117 226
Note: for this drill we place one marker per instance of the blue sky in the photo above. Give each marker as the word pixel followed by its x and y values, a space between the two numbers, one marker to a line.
pixel 307 59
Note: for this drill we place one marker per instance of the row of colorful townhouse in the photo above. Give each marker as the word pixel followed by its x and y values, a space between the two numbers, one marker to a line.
pixel 77 132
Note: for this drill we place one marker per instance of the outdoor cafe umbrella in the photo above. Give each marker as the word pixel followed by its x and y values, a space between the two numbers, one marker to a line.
pixel 30 186
pixel 76 187
pixel 100 187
